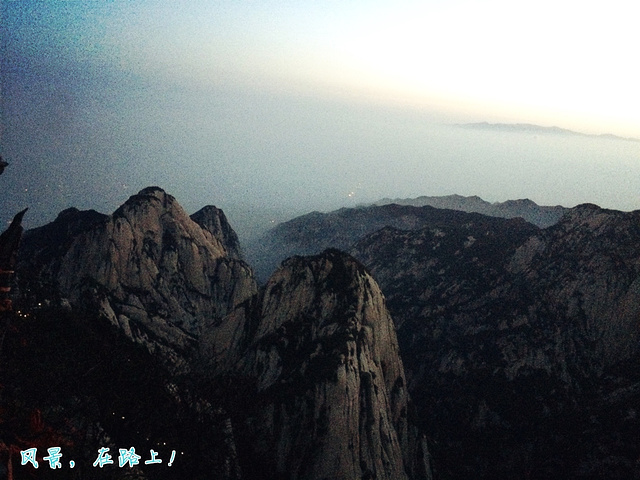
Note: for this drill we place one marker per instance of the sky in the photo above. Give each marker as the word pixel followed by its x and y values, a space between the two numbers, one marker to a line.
pixel 275 108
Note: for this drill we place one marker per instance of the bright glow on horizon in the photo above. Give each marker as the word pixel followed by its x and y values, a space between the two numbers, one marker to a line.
pixel 562 62
pixel 553 62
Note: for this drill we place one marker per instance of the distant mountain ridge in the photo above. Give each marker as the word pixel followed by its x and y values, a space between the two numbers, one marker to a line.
pixel 539 129
pixel 542 216
pixel 312 233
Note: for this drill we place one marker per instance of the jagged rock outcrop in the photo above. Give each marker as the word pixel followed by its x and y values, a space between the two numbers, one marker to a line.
pixel 325 394
pixel 149 268
pixel 9 243
pixel 214 221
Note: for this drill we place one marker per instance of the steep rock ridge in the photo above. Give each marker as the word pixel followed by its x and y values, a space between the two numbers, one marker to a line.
pixel 326 385
pixel 150 269
pixel 214 221
pixel 520 339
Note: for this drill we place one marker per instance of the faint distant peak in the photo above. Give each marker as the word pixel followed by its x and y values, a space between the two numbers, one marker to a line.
pixel 542 216
pixel 538 129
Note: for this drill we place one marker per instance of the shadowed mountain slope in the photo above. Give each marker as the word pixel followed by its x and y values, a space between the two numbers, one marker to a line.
pixel 520 344
pixel 524 341
pixel 314 232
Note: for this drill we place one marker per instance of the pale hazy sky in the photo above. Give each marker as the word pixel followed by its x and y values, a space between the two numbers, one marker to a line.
pixel 278 104
pixel 550 61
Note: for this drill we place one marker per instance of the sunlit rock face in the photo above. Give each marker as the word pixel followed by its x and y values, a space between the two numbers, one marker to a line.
pixel 328 392
pixel 149 268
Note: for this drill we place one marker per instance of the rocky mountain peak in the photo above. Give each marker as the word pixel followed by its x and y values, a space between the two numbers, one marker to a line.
pixel 309 279
pixel 588 215
pixel 213 220
pixel 146 195
pixel 154 191
pixel 328 378
pixel 9 243
pixel 149 268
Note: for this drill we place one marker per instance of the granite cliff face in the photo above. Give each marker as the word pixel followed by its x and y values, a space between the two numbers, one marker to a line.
pixel 324 377
pixel 150 269
pixel 301 379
